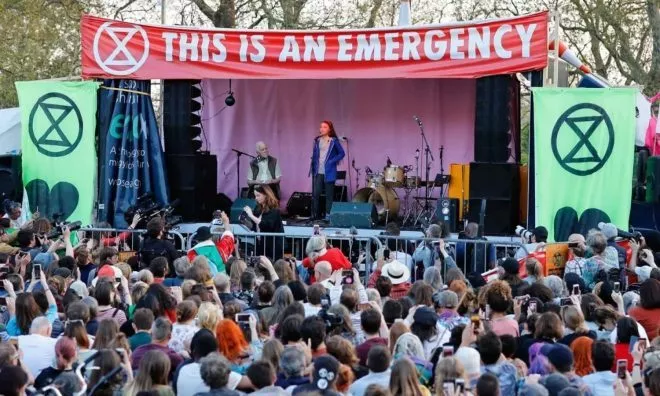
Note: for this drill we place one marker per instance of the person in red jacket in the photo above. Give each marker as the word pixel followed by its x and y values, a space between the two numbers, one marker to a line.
pixel 317 250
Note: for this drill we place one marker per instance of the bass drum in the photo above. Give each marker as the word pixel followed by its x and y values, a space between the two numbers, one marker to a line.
pixel 384 199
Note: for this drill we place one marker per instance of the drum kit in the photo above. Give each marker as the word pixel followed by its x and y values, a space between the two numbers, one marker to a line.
pixel 381 191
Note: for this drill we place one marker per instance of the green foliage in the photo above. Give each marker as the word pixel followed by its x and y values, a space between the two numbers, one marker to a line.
pixel 41 40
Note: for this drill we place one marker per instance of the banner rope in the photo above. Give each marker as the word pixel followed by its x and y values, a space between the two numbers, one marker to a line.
pixel 126 90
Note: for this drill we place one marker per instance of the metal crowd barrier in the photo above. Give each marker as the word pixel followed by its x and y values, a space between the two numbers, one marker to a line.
pixel 130 239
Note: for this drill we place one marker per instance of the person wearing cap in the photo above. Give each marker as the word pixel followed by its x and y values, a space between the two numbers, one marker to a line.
pixel 218 252
pixel 397 272
pixel 446 305
pixel 324 378
pixel 538 238
pixel 560 358
pixel 424 325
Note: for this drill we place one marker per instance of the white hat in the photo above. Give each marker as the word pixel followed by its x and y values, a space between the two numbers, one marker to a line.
pixel 396 271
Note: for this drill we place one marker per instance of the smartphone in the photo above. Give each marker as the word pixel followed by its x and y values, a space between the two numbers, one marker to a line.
pixel 532 307
pixel 488 312
pixel 476 322
pixel 521 298
pixel 317 229
pixel 254 261
pixel 386 254
pixel 325 302
pixel 448 387
pixel 566 301
pixel 447 351
pixel 617 287
pixel 37 271
pixel 576 289
pixel 347 277
pixel 642 343
pixel 460 385
pixel 621 368
pixel 242 318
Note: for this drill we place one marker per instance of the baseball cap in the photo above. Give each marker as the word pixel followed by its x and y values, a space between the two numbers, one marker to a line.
pixel 558 354
pixel 107 271
pixel 203 233
pixel 555 383
pixel 80 288
pixel 608 229
pixel 425 316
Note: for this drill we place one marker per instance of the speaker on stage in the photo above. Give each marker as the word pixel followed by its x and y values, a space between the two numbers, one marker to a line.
pixel 237 208
pixel 11 185
pixel 193 179
pixel 447 212
pixel 299 204
pixel 353 214
pixel 499 185
pixel 500 217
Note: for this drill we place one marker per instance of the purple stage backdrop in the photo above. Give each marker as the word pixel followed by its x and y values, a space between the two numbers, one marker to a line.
pixel 375 115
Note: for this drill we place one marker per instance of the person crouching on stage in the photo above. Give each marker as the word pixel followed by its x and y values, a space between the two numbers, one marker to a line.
pixel 317 250
pixel 218 252
pixel 326 155
pixel 267 218
pixel 264 171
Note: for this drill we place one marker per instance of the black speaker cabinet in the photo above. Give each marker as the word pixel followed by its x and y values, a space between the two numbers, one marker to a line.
pixel 447 212
pixel 492 180
pixel 192 180
pixel 299 204
pixel 500 217
pixel 353 214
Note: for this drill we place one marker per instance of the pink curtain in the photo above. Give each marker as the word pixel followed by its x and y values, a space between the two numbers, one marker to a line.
pixel 375 115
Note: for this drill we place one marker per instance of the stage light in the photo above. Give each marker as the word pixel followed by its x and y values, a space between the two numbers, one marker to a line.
pixel 230 100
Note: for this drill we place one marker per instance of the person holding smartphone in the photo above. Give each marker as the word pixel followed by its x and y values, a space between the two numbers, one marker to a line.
pixel 24 309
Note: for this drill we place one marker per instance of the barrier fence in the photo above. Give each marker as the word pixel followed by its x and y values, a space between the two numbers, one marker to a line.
pixel 470 255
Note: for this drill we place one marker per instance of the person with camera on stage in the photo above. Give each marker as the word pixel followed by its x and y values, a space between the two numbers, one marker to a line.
pixel 264 171
pixel 531 240
pixel 267 218
pixel 156 245
pixel 326 154
pixel 217 252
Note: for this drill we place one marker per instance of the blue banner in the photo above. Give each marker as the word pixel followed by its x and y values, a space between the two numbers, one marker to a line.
pixel 131 157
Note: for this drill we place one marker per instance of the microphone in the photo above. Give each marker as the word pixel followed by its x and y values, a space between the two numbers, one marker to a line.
pixel 419 122
pixel 353 163
pixel 389 161
pixel 344 138
pixel 417 153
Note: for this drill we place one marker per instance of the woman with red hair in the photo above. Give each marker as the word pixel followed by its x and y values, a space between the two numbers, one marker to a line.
pixel 581 348
pixel 326 155
pixel 233 345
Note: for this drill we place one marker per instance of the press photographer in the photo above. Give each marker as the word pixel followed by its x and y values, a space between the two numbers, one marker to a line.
pixel 532 239
pixel 156 244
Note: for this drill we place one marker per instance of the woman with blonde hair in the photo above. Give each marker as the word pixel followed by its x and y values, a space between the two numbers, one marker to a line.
pixel 284 271
pixel 534 270
pixel 344 351
pixel 403 381
pixel 448 369
pixel 574 325
pixel 235 273
pixel 208 316
pixel 151 375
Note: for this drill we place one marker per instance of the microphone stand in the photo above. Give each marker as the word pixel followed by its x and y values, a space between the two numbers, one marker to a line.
pixel 427 163
pixel 238 169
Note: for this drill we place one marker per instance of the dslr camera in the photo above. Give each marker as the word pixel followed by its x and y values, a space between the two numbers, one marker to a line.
pixel 523 232
pixel 58 226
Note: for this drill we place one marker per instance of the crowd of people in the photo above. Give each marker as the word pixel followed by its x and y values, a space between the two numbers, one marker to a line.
pixel 207 322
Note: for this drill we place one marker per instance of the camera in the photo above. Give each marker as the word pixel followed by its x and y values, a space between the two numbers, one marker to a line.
pixel 58 226
pixel 523 232
pixel 147 207
pixel 331 320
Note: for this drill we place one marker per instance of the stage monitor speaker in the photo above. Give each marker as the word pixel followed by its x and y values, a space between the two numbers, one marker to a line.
pixel 447 212
pixel 494 180
pixel 193 180
pixel 237 208
pixel 653 179
pixel 492 119
pixel 501 216
pixel 299 204
pixel 11 185
pixel 181 121
pixel 353 214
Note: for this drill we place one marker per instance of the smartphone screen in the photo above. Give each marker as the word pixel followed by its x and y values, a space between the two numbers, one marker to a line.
pixel 317 229
pixel 642 343
pixel 621 368
pixel 447 351
pixel 243 318
pixel 488 312
pixel 566 301
pixel 532 306
pixel 617 287
pixel 576 289
pixel 476 322
pixel 460 385
pixel 37 271
pixel 448 388
pixel 347 277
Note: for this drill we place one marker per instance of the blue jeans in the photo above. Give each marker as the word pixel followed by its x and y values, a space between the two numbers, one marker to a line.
pixel 320 186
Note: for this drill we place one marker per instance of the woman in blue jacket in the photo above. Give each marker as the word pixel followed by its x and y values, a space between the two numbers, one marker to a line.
pixel 326 155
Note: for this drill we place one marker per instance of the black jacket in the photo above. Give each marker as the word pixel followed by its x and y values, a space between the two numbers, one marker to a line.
pixel 154 247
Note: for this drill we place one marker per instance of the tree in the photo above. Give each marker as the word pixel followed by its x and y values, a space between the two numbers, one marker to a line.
pixel 41 40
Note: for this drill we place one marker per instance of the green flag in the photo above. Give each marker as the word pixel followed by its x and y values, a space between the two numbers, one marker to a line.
pixel 583 158
pixel 59 154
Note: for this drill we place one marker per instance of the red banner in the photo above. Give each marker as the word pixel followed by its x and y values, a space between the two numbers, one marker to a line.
pixel 116 49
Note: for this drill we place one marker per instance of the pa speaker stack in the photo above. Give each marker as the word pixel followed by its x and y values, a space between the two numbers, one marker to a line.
pixel 497 184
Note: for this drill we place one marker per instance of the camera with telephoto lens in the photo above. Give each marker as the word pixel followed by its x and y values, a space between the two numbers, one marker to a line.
pixel 524 232
pixel 58 226
pixel 331 320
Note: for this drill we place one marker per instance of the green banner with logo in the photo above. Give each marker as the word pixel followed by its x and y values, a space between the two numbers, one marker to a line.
pixel 58 144
pixel 583 158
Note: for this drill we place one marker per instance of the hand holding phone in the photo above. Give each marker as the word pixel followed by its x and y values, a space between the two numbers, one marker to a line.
pixel 347 277
pixel 621 368
pixel 36 271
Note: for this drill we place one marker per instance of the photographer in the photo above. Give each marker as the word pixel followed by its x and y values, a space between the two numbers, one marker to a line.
pixel 531 239
pixel 432 249
pixel 642 261
pixel 154 245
